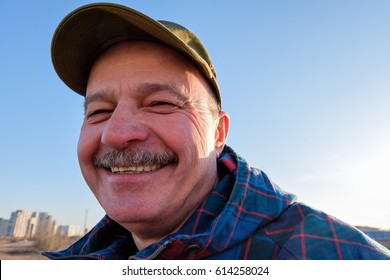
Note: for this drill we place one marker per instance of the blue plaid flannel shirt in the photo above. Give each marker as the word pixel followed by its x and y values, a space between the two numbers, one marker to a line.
pixel 246 216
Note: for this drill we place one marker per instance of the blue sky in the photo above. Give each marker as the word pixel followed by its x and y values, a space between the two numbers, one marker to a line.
pixel 306 83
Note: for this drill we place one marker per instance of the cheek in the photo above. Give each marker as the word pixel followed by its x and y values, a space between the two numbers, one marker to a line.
pixel 87 146
pixel 186 132
pixel 204 132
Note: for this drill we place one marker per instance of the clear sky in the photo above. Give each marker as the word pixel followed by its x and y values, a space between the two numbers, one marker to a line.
pixel 306 83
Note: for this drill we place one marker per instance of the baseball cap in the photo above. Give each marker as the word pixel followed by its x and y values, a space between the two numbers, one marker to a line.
pixel 89 30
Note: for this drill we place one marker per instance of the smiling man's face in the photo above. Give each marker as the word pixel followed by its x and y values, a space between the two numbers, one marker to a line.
pixel 151 136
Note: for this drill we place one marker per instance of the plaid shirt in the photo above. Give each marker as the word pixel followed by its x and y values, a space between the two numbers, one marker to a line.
pixel 246 216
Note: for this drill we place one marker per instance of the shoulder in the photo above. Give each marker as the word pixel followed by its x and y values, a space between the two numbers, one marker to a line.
pixel 303 232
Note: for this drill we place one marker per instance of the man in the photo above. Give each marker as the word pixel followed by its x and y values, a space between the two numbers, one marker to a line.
pixel 152 150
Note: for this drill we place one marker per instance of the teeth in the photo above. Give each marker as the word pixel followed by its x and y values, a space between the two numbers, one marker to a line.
pixel 135 169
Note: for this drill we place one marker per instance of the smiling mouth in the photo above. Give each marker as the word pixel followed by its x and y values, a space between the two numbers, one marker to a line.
pixel 135 169
pixel 131 161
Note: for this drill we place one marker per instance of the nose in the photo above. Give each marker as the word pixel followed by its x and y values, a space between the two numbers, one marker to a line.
pixel 123 128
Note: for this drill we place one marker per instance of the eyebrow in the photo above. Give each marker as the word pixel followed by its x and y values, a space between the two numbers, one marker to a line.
pixel 102 96
pixel 143 89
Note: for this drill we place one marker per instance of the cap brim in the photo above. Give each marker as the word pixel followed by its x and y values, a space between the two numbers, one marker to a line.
pixel 87 31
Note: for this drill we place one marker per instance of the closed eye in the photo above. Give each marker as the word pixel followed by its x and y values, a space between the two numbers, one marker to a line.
pixel 98 112
pixel 97 115
pixel 163 107
pixel 162 103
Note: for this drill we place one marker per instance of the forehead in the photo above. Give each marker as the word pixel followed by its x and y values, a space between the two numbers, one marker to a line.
pixel 150 61
pixel 124 69
pixel 135 48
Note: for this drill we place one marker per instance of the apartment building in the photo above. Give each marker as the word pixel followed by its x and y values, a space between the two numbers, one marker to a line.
pixel 29 224
pixel 4 227
pixel 70 230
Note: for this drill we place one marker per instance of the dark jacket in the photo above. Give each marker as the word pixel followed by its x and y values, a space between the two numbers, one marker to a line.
pixel 246 216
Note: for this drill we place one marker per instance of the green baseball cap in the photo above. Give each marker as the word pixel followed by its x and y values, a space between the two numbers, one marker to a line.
pixel 89 30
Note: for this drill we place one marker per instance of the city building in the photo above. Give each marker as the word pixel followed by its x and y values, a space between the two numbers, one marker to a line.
pixel 19 223
pixel 4 227
pixel 28 224
pixel 375 233
pixel 70 230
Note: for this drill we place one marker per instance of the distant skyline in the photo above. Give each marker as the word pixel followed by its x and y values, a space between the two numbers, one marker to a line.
pixel 57 223
pixel 306 83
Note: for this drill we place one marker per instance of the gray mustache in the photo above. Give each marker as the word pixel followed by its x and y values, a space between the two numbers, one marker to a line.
pixel 134 157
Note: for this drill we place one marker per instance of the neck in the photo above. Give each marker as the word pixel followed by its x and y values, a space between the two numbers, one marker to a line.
pixel 144 240
pixel 142 243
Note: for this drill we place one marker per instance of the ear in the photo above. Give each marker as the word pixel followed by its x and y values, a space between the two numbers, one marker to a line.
pixel 222 131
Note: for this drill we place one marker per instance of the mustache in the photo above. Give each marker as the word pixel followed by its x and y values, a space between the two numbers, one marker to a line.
pixel 134 157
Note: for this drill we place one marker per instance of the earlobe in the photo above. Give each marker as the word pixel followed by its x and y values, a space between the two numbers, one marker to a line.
pixel 221 132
